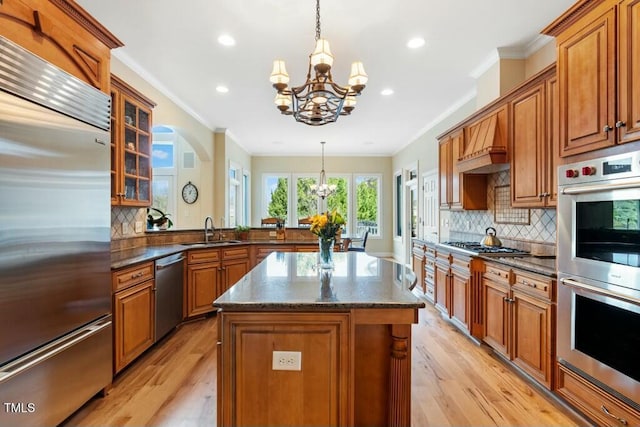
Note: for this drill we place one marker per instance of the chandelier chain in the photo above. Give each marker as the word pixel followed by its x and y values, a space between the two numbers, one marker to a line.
pixel 317 20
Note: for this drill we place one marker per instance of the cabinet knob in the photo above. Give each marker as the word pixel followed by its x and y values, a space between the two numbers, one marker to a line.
pixel 620 124
pixel 606 128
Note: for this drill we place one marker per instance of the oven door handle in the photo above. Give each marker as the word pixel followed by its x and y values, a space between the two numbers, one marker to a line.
pixel 619 185
pixel 575 284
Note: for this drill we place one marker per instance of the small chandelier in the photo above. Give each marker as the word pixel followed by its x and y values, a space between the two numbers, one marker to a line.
pixel 323 189
pixel 319 100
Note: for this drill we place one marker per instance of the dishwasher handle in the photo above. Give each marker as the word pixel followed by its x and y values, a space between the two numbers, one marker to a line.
pixel 163 266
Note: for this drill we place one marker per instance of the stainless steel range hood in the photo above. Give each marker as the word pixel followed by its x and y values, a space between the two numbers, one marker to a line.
pixel 485 149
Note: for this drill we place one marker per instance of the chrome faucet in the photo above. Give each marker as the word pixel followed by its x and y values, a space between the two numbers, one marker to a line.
pixel 208 220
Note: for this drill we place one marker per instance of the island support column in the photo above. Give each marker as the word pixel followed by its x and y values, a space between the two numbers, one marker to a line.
pixel 400 377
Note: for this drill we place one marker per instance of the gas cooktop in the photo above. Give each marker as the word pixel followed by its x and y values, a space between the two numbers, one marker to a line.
pixel 476 248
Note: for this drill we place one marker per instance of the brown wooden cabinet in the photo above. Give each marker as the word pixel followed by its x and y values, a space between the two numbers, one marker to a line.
pixel 602 407
pixel 62 33
pixel 235 264
pixel 430 271
pixel 534 141
pixel 443 281
pixel 248 385
pixel 210 272
pixel 519 319
pixel 460 283
pixel 598 75
pixel 496 288
pixel 457 290
pixel 457 190
pixel 133 313
pixel 131 141
pixel 418 260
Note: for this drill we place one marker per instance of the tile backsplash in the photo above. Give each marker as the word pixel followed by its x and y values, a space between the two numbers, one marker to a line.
pixel 124 219
pixel 471 225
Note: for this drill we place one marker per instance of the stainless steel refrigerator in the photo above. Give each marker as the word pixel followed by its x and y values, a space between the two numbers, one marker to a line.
pixel 55 295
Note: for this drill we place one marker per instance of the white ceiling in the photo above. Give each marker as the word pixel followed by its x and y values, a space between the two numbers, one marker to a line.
pixel 173 44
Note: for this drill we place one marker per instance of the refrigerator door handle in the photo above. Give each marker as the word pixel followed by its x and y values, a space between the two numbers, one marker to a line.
pixel 13 369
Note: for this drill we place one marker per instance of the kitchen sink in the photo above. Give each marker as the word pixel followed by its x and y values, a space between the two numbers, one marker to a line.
pixel 213 243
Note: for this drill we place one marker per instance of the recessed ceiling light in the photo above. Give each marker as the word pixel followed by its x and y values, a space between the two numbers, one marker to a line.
pixel 222 89
pixel 226 40
pixel 415 43
pixel 386 92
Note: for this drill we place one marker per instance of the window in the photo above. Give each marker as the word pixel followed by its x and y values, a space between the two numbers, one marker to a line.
pixel 235 202
pixel 339 200
pixel 398 190
pixel 276 196
pixel 306 203
pixel 368 204
pixel 238 196
pixel 357 198
pixel 163 155
pixel 246 198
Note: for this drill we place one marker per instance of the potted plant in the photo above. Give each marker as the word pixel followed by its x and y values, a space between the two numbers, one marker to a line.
pixel 242 232
pixel 161 222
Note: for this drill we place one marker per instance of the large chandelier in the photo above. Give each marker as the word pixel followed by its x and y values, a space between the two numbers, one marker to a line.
pixel 323 189
pixel 319 100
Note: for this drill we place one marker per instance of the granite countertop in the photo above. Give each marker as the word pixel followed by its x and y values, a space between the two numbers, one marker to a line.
pixel 127 257
pixel 541 265
pixel 290 281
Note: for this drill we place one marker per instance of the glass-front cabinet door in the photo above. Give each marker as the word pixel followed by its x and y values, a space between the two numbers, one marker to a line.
pixel 130 145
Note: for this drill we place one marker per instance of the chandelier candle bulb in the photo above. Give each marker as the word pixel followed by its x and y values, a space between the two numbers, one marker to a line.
pixel 358 77
pixel 279 76
pixel 321 58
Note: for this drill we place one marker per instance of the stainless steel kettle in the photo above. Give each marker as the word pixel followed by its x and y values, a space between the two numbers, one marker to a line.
pixel 490 239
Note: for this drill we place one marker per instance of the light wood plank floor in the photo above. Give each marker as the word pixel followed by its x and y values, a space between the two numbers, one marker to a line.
pixel 455 383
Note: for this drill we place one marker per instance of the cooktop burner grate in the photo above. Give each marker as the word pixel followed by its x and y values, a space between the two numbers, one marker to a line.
pixel 479 249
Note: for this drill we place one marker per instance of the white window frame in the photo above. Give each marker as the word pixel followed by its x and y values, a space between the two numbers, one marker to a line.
pixel 293 187
pixel 398 206
pixel 170 174
pixel 265 194
pixel 246 197
pixel 378 176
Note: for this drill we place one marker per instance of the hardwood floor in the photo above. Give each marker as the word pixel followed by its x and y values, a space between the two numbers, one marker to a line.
pixel 455 383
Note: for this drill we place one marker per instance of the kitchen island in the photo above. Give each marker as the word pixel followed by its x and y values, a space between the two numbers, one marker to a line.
pixel 293 352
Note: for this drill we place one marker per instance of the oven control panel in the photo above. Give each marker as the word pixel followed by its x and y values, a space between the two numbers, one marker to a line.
pixel 602 169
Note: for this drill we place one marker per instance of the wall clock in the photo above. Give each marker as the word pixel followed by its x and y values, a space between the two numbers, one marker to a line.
pixel 189 193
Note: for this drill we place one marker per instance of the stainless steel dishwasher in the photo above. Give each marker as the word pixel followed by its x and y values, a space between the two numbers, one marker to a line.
pixel 169 277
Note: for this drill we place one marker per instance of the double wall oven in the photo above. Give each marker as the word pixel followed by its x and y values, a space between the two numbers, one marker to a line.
pixel 599 272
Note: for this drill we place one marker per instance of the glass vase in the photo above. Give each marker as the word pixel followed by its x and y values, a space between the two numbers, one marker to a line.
pixel 326 285
pixel 326 252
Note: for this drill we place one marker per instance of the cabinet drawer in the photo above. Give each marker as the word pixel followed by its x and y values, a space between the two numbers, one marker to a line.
pixel 594 402
pixel 235 253
pixel 462 264
pixel 535 285
pixel 307 248
pixel 127 277
pixel 429 277
pixel 199 256
pixel 430 252
pixel 497 273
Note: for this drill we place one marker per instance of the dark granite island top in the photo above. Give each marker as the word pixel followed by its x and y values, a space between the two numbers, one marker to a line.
pixel 290 281
pixel 343 357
